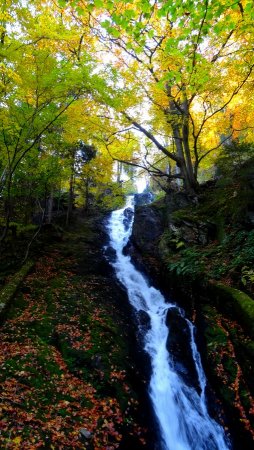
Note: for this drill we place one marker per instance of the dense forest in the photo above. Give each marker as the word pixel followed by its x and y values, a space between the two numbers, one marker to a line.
pixel 97 96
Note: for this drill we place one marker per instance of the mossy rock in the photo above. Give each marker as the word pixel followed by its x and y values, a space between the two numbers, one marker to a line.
pixel 8 292
pixel 239 304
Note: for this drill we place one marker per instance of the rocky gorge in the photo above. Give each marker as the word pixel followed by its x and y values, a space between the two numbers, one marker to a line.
pixel 73 366
pixel 189 255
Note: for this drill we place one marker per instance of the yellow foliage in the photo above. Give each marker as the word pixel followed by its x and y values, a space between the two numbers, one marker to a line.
pixel 16 441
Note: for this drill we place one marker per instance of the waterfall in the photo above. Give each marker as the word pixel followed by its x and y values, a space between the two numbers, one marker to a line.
pixel 181 411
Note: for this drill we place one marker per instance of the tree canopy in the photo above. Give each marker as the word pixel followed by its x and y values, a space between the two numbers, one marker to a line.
pixel 159 85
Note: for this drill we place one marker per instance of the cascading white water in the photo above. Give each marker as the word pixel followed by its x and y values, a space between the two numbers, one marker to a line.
pixel 181 411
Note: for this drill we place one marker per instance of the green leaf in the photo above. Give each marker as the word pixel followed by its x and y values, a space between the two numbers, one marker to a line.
pixel 129 46
pixel 62 3
pixel 80 11
pixel 130 14
pixel 249 7
pixel 217 28
pixel 105 24
pixel 243 280
pixel 110 4
pixel 180 244
pixel 114 32
pixel 98 3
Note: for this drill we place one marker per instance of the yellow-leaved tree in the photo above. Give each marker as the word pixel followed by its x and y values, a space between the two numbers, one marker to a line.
pixel 180 68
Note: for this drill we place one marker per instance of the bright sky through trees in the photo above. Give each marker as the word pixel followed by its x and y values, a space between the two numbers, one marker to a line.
pixel 160 85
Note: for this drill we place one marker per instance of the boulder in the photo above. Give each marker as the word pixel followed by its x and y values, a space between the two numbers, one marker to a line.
pixel 179 347
pixel 144 321
pixel 147 229
pixel 199 233
pixel 176 200
pixel 110 254
pixel 128 214
pixel 143 199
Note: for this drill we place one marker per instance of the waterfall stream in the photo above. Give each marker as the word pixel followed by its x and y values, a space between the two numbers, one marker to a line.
pixel 181 410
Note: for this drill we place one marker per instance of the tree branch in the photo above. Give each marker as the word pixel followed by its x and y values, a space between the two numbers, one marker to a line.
pixel 214 148
pixel 153 139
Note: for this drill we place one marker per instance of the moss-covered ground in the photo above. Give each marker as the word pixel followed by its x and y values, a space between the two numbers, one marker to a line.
pixel 229 356
pixel 213 237
pixel 64 356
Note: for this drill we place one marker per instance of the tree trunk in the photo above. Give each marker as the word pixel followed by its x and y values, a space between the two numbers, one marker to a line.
pixel 7 209
pixel 119 171
pixel 86 194
pixel 183 168
pixel 50 206
pixel 179 121
pixel 185 134
pixel 71 196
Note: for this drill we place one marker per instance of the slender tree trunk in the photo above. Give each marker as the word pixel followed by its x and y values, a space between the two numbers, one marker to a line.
pixel 50 206
pixel 7 209
pixel 119 171
pixel 3 24
pixel 71 196
pixel 185 134
pixel 36 233
pixel 59 199
pixel 7 224
pixel 87 194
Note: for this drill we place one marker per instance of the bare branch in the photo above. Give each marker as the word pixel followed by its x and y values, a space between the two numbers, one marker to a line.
pixel 214 148
pixel 214 59
pixel 154 171
pixel 234 93
pixel 153 139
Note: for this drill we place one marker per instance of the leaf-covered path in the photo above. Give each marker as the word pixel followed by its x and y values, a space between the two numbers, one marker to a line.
pixel 65 366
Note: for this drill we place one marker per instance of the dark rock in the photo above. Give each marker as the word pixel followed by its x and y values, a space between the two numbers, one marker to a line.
pixel 147 229
pixel 143 321
pixel 128 248
pixel 126 223
pixel 85 435
pixel 128 214
pixel 190 231
pixel 143 199
pixel 250 217
pixel 178 345
pixel 178 200
pixel 110 254
pixel 199 233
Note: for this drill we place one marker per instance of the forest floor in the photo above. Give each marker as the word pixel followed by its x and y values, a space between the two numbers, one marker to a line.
pixel 67 375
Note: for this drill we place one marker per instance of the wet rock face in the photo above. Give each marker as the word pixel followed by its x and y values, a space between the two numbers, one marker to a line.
pixel 193 233
pixel 177 200
pixel 143 199
pixel 147 229
pixel 178 345
pixel 150 222
pixel 144 321
pixel 110 254
pixel 190 231
pixel 128 214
